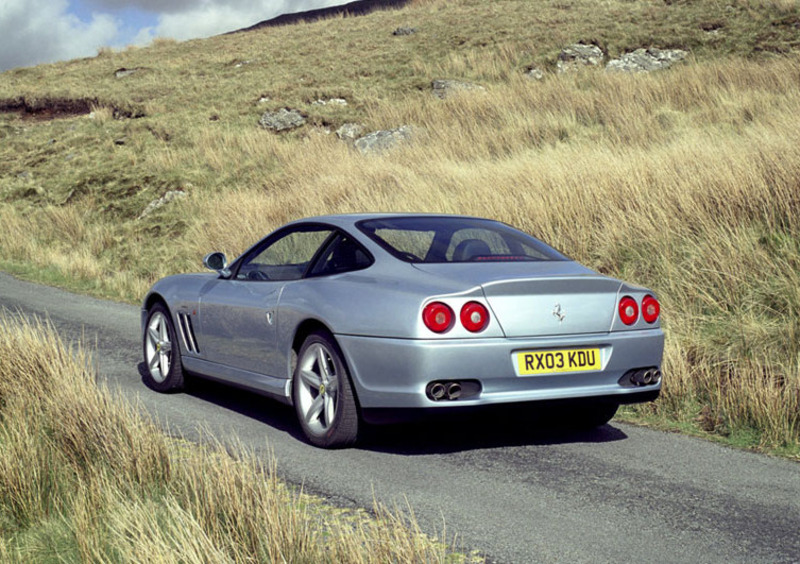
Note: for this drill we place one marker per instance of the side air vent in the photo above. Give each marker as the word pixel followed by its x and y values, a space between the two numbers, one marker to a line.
pixel 187 333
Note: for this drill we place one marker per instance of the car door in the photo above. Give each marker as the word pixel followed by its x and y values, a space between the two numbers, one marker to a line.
pixel 239 315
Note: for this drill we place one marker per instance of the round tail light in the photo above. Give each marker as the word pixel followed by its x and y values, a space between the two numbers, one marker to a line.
pixel 628 310
pixel 438 317
pixel 650 309
pixel 474 317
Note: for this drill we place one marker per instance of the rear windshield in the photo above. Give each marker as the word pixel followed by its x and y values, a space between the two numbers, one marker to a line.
pixel 455 239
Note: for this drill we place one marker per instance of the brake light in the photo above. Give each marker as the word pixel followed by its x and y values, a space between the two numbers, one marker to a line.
pixel 628 310
pixel 650 309
pixel 438 317
pixel 474 317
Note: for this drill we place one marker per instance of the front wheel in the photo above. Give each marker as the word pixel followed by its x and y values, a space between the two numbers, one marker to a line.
pixel 322 394
pixel 162 353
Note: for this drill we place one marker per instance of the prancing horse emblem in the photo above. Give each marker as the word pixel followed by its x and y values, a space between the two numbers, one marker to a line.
pixel 558 312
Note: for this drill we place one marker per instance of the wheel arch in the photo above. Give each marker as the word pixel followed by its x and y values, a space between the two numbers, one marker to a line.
pixel 306 328
pixel 153 299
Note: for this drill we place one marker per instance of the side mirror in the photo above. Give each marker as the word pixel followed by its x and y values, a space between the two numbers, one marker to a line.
pixel 217 262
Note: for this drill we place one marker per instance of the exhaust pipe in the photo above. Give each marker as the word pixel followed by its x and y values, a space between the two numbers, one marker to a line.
pixel 453 391
pixel 436 391
pixel 645 377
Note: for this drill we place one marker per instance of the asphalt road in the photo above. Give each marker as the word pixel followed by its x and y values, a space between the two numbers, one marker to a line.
pixel 617 494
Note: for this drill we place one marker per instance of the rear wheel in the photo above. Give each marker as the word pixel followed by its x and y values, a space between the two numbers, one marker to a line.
pixel 162 354
pixel 322 394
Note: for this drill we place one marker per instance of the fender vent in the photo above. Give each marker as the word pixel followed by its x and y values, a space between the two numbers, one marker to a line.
pixel 187 333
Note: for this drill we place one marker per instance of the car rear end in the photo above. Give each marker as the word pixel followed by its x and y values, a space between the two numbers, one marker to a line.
pixel 517 340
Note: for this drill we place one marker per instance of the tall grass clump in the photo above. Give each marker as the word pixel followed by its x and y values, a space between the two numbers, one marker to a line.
pixel 85 477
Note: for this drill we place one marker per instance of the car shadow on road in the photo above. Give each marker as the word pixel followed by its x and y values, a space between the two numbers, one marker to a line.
pixel 252 405
pixel 484 429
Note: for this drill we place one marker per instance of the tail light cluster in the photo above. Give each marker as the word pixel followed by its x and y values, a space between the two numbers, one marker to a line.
pixel 629 310
pixel 439 317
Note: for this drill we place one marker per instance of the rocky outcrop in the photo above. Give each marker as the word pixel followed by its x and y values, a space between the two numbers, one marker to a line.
pixel 330 101
pixel 123 72
pixel 534 73
pixel 379 142
pixel 170 196
pixel 445 88
pixel 282 120
pixel 404 31
pixel 579 55
pixel 646 60
pixel 350 132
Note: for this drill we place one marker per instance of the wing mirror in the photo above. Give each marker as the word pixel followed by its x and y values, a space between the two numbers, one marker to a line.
pixel 217 262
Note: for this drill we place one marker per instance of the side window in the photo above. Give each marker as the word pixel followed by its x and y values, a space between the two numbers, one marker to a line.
pixel 466 244
pixel 286 258
pixel 342 255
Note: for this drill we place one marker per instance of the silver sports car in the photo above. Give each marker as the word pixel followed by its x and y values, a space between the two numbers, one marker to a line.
pixel 348 317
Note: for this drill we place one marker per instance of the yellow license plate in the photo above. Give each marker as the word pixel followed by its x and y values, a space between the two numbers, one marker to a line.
pixel 552 362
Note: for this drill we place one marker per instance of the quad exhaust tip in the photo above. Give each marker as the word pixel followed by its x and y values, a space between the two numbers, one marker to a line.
pixel 451 390
pixel 645 376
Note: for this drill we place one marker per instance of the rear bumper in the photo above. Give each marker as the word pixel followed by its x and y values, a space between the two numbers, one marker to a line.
pixel 544 408
pixel 394 373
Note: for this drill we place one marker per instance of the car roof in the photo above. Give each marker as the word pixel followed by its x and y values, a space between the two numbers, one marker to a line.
pixel 350 219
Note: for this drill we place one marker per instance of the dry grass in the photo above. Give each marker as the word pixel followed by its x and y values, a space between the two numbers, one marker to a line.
pixel 685 181
pixel 87 478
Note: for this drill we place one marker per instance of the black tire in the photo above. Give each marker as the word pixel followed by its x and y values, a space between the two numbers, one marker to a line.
pixel 163 368
pixel 323 395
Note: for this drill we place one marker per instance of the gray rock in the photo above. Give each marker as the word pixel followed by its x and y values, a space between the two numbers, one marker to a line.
pixel 331 101
pixel 282 119
pixel 646 60
pixel 577 56
pixel 445 88
pixel 350 132
pixel 170 196
pixel 405 31
pixel 534 74
pixel 123 72
pixel 379 142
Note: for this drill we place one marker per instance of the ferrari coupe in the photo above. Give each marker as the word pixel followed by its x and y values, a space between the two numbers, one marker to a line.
pixel 351 317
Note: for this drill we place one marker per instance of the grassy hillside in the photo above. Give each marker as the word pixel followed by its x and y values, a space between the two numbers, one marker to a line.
pixel 684 180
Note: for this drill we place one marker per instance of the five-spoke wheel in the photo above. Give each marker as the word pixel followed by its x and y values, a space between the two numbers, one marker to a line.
pixel 162 355
pixel 322 394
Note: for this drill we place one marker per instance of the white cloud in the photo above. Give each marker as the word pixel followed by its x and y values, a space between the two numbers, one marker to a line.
pixel 213 17
pixel 41 31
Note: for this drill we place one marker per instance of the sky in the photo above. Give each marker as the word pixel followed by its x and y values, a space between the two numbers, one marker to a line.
pixel 45 31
